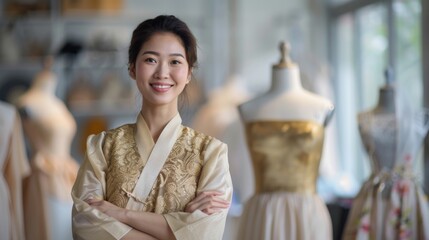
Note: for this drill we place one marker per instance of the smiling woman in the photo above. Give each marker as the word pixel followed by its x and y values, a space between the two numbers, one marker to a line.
pixel 154 179
pixel 161 70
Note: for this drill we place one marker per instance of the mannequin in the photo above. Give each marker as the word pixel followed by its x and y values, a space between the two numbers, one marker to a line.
pixel 219 118
pixel 14 165
pixel 286 99
pixel 49 128
pixel 285 132
pixel 386 100
pixel 386 110
pixel 220 110
pixel 391 203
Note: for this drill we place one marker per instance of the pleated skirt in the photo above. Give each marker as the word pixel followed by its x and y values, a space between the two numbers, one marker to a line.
pixel 285 215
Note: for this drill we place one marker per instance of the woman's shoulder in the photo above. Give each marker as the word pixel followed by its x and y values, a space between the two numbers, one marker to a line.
pixel 204 141
pixel 113 133
pixel 121 130
pixel 106 140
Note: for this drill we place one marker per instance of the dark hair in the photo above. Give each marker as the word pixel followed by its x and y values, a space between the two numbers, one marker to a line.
pixel 163 23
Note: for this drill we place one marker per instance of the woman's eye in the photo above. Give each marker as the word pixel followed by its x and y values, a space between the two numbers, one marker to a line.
pixel 150 60
pixel 175 62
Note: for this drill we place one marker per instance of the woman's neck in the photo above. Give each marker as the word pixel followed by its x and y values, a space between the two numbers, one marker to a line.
pixel 386 101
pixel 157 118
pixel 285 79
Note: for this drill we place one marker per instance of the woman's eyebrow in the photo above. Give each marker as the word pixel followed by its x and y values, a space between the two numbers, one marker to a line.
pixel 157 54
pixel 150 52
pixel 177 55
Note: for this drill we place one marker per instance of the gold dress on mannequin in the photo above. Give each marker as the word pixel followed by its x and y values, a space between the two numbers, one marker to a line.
pixel 286 157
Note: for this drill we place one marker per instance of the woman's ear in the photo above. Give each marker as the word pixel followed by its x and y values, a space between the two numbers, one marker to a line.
pixel 189 77
pixel 132 71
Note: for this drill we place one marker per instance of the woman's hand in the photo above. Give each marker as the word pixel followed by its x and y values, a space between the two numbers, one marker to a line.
pixel 208 202
pixel 146 225
pixel 107 208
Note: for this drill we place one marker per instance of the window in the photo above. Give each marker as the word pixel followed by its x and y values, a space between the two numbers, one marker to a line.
pixel 366 37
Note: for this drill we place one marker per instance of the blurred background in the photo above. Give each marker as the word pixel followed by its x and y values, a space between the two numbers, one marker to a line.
pixel 341 46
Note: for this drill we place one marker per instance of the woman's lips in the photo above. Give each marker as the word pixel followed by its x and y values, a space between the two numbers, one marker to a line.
pixel 161 87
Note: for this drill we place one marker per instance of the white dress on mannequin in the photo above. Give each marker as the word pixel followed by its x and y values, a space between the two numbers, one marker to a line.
pixel 14 166
pixel 285 133
pixel 391 203
pixel 50 128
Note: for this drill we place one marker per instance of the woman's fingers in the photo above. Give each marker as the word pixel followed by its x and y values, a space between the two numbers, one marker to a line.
pixel 102 205
pixel 212 210
pixel 206 194
pixel 92 201
pixel 199 198
pixel 207 202
pixel 212 204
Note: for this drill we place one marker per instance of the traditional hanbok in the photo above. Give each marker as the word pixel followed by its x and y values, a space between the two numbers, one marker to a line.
pixel 127 168
pixel 391 203
pixel 14 168
pixel 286 157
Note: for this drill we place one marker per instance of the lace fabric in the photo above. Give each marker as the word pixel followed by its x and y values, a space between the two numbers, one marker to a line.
pixel 378 134
pixel 391 141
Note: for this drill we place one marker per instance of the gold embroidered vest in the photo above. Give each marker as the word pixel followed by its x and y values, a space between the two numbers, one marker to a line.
pixel 285 155
pixel 175 185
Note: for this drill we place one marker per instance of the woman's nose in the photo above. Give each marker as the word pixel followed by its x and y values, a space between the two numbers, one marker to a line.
pixel 162 71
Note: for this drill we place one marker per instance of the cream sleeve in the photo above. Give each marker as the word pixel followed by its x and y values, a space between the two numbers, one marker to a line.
pixel 87 222
pixel 214 176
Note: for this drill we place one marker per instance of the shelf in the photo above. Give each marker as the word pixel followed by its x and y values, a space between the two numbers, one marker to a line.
pixel 98 109
pixel 76 18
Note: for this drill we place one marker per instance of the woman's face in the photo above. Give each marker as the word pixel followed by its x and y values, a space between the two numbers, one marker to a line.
pixel 161 70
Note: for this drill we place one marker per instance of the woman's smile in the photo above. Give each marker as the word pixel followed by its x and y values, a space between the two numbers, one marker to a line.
pixel 161 87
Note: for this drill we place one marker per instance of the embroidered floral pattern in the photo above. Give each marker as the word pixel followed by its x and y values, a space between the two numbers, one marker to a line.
pixel 390 204
pixel 177 182
pixel 124 164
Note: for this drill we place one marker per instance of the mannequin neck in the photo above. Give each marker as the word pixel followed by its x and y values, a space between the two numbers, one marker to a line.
pixel 386 100
pixel 45 83
pixel 285 79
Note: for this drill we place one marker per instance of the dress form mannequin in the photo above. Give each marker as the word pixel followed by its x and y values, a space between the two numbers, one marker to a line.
pixel 285 132
pixel 386 100
pixel 390 204
pixel 220 110
pixel 50 128
pixel 219 118
pixel 385 110
pixel 287 99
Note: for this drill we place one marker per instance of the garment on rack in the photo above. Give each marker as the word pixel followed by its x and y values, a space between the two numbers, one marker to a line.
pixel 14 168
